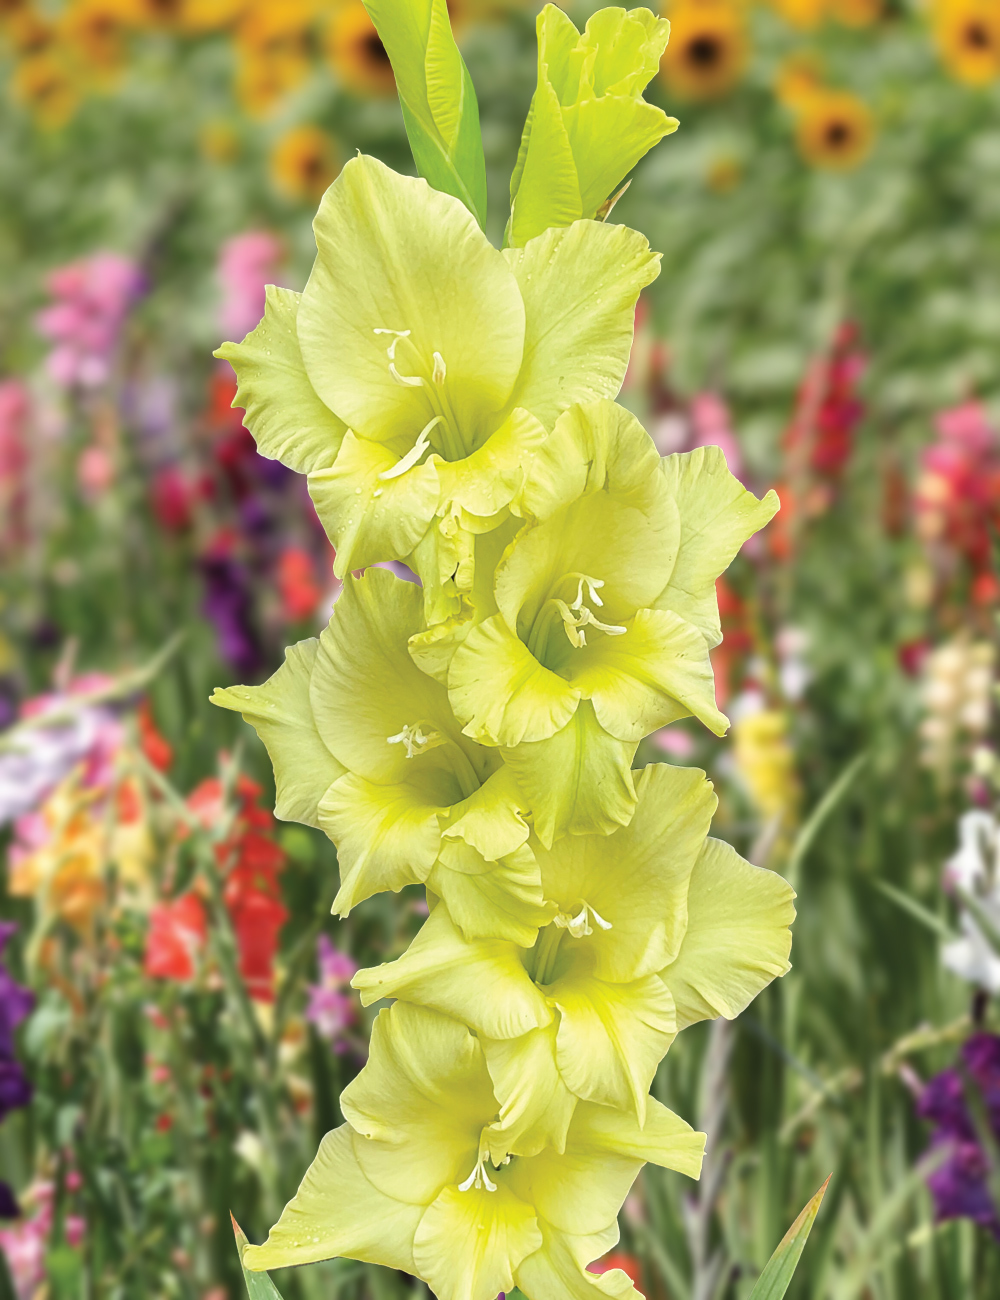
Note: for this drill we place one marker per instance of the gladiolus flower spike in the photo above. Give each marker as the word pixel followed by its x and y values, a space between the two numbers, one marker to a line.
pixel 454 408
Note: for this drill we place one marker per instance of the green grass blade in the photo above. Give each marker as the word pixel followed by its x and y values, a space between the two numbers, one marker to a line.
pixel 774 1281
pixel 917 910
pixel 440 110
pixel 259 1285
pixel 812 827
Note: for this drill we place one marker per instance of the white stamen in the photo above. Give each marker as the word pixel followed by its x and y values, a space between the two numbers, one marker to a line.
pixel 579 926
pixel 478 1178
pixel 413 455
pixel 440 369
pixel 415 739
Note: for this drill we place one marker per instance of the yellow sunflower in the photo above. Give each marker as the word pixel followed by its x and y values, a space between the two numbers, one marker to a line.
pixel 835 130
pixel 304 162
pixel 856 13
pixel 967 33
pixel 28 33
pixel 708 48
pixel 157 13
pixel 47 87
pixel 273 45
pixel 211 15
pixel 799 78
pixel 356 54
pixel 94 31
pixel 219 141
pixel 806 15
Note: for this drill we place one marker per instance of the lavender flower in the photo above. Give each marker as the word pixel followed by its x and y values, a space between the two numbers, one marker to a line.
pixel 331 1006
pixel 960 1186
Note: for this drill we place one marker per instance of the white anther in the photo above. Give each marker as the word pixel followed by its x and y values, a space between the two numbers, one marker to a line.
pixel 440 369
pixel 415 739
pixel 413 455
pixel 478 1178
pixel 592 584
pixel 579 926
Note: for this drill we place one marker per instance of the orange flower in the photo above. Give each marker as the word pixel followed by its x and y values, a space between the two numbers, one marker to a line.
pixel 708 48
pixel 356 54
pixel 28 33
pixel 967 34
pixel 303 162
pixel 835 130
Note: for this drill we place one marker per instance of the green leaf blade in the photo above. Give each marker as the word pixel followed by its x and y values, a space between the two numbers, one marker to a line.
pixel 780 1268
pixel 259 1285
pixel 440 110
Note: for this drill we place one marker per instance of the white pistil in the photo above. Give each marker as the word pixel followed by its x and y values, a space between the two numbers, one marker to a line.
pixel 407 381
pixel 479 1177
pixel 579 926
pixel 413 455
pixel 440 369
pixel 577 615
pixel 416 740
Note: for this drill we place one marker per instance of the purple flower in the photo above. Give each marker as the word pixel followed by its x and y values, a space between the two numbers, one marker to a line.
pixel 15 1004
pixel 9 1208
pixel 331 1005
pixel 960 1186
pixel 228 605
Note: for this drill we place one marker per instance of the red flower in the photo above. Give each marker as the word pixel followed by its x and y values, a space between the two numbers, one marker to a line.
pixel 156 747
pixel 297 585
pixel 177 932
pixel 618 1259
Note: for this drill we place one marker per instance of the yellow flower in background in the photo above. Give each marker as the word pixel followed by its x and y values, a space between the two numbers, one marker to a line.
pixel 835 129
pixel 273 45
pixel 708 48
pixel 724 173
pixel 47 88
pixel 856 13
pixel 967 34
pixel 356 53
pixel 94 31
pixel 219 142
pixel 304 162
pixel 799 78
pixel 65 873
pixel 28 33
pixel 157 13
pixel 211 15
pixel 806 15
pixel 766 762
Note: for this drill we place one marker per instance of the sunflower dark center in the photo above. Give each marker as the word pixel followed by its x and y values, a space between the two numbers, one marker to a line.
pixel 977 36
pixel 838 134
pixel 705 51
pixel 376 51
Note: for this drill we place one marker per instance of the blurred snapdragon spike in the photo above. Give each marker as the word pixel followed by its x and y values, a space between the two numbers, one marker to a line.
pixel 474 732
pixel 15 1090
pixel 588 124
pixel 437 97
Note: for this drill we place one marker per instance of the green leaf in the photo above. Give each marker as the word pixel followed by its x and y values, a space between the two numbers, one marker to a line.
pixel 774 1281
pixel 259 1285
pixel 437 97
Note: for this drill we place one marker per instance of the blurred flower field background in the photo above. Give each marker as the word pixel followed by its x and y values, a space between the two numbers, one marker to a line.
pixel 176 1016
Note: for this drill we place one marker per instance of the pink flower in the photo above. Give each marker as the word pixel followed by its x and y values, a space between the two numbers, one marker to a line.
pixel 14 406
pixel 712 427
pixel 92 299
pixel 331 1004
pixel 246 263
